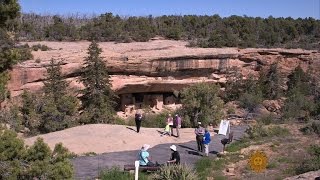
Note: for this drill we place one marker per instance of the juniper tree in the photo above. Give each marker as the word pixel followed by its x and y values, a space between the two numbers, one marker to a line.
pixel 97 96
pixel 202 103
pixel 18 161
pixel 301 102
pixel 270 82
pixel 300 80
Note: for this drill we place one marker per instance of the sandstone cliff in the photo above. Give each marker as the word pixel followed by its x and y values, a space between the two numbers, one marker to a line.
pixel 155 66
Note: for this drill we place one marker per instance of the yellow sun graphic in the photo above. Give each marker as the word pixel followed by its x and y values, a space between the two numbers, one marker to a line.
pixel 258 161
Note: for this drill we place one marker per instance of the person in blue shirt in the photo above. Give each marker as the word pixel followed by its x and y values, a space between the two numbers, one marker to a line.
pixel 206 141
pixel 144 156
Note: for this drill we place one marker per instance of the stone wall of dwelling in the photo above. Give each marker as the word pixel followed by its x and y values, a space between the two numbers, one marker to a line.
pixel 130 102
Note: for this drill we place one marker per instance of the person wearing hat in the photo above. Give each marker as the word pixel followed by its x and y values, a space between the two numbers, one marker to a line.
pixel 175 156
pixel 199 131
pixel 177 123
pixel 144 156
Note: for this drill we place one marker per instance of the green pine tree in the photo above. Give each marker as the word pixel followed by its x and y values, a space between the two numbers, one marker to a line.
pixel 59 110
pixel 55 86
pixel 9 10
pixel 270 82
pixel 97 96
pixel 300 80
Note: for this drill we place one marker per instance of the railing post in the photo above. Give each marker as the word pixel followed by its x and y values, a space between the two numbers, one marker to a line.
pixel 136 165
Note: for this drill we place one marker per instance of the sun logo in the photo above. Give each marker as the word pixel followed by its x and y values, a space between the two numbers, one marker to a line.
pixel 258 161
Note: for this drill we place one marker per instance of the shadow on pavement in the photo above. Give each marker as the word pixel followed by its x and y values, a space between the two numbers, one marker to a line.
pixel 131 129
pixel 186 147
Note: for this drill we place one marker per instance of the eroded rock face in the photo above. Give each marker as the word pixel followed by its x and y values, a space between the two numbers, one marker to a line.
pixel 155 66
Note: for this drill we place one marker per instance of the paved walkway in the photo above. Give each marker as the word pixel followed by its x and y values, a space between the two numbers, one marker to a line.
pixel 89 167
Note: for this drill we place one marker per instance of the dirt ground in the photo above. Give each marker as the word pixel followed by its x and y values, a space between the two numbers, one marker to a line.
pixel 105 138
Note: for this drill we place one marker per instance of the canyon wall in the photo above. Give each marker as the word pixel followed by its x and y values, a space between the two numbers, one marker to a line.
pixel 155 66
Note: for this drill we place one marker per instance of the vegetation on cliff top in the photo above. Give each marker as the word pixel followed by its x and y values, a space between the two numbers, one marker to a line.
pixel 203 31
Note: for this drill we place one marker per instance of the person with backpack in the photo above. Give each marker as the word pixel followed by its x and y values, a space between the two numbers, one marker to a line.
pixel 177 123
pixel 206 142
pixel 144 156
pixel 138 119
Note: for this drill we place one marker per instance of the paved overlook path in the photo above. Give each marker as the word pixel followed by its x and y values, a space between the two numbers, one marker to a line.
pixel 88 167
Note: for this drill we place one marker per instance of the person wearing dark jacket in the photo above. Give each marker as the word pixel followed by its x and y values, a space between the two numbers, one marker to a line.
pixel 138 119
pixel 199 131
pixel 175 156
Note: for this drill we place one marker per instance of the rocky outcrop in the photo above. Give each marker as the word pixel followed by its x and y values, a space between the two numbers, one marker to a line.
pixel 155 66
pixel 309 175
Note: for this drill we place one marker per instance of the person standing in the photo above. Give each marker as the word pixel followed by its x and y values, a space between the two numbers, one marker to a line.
pixel 170 122
pixel 177 122
pixel 206 142
pixel 199 131
pixel 138 119
pixel 175 156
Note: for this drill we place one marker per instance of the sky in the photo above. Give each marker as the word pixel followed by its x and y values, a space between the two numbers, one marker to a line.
pixel 224 8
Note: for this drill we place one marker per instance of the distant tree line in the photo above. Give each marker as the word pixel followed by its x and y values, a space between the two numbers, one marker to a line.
pixel 203 31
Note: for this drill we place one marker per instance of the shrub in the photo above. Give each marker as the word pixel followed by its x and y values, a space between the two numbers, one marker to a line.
pixel 297 105
pixel 116 174
pixel 118 120
pixel 266 119
pixel 272 165
pixel 204 167
pixel 261 131
pixel 207 166
pixel 314 127
pixel 231 110
pixel 203 164
pixel 44 48
pixel 175 172
pixel 34 162
pixel 36 47
pixel 312 163
pixel 202 103
pixel 237 145
pixel 24 53
pixel 154 120
pixel 250 101
pixel 12 117
pixel 186 122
